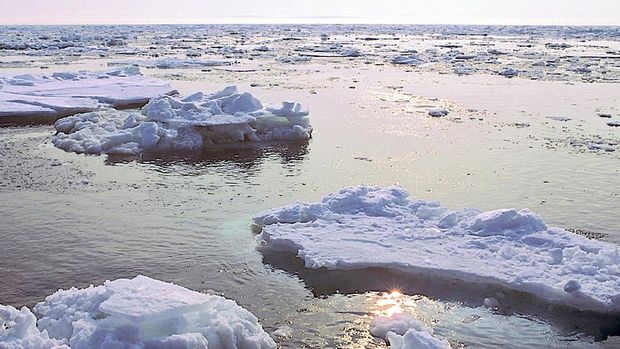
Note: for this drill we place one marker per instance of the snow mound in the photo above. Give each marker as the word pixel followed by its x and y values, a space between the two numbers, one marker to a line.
pixel 24 97
pixel 173 123
pixel 18 329
pixel 361 227
pixel 137 313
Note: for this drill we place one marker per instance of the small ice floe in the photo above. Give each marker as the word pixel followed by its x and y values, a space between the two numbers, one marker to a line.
pixel 438 112
pixel 132 313
pixel 176 63
pixel 28 98
pixel 604 115
pixel 558 118
pixel 411 59
pixel 462 70
pixel 597 144
pixel 558 46
pixel 509 72
pixel 614 123
pixel 169 123
pixel 363 227
pixel 283 331
pixel 403 331
pixel 292 59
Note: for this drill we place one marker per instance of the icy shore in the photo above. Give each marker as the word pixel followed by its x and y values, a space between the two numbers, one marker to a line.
pixel 169 123
pixel 35 98
pixel 362 227
pixel 137 313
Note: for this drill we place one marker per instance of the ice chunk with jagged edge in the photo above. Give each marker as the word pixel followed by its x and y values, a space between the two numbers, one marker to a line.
pixel 18 329
pixel 169 123
pixel 137 313
pixel 362 227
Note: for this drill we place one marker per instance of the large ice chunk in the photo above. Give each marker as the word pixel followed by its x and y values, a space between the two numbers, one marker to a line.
pixel 27 98
pixel 174 123
pixel 137 313
pixel 361 227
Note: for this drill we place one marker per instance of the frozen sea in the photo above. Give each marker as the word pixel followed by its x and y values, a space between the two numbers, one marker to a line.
pixel 539 140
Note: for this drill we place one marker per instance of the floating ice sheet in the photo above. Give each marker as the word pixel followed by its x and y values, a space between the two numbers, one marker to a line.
pixel 361 227
pixel 137 313
pixel 173 123
pixel 27 97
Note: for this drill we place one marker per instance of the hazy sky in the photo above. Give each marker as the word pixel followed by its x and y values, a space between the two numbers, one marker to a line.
pixel 604 12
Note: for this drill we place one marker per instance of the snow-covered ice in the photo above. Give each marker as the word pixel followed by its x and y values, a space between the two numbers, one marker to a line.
pixel 175 63
pixel 361 227
pixel 49 97
pixel 169 123
pixel 132 313
pixel 18 329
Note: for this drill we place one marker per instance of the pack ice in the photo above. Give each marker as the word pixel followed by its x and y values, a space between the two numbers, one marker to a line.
pixel 361 227
pixel 132 313
pixel 170 123
pixel 27 97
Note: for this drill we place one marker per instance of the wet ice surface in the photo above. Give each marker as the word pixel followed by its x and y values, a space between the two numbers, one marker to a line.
pixel 184 217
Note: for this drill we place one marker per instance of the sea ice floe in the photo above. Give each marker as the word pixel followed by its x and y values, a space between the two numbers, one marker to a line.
pixel 408 59
pixel 49 97
pixel 176 63
pixel 438 112
pixel 362 227
pixel 132 313
pixel 169 123
pixel 559 118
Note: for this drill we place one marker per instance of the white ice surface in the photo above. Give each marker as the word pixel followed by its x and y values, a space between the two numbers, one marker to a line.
pixel 414 339
pixel 18 330
pixel 137 313
pixel 173 123
pixel 360 227
pixel 403 331
pixel 62 94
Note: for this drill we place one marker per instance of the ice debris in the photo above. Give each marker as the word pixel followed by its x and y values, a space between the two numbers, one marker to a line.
pixel 169 123
pixel 361 227
pixel 438 112
pixel 27 98
pixel 132 313
pixel 403 331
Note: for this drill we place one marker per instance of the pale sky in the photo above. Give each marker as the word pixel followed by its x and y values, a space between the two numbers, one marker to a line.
pixel 576 12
